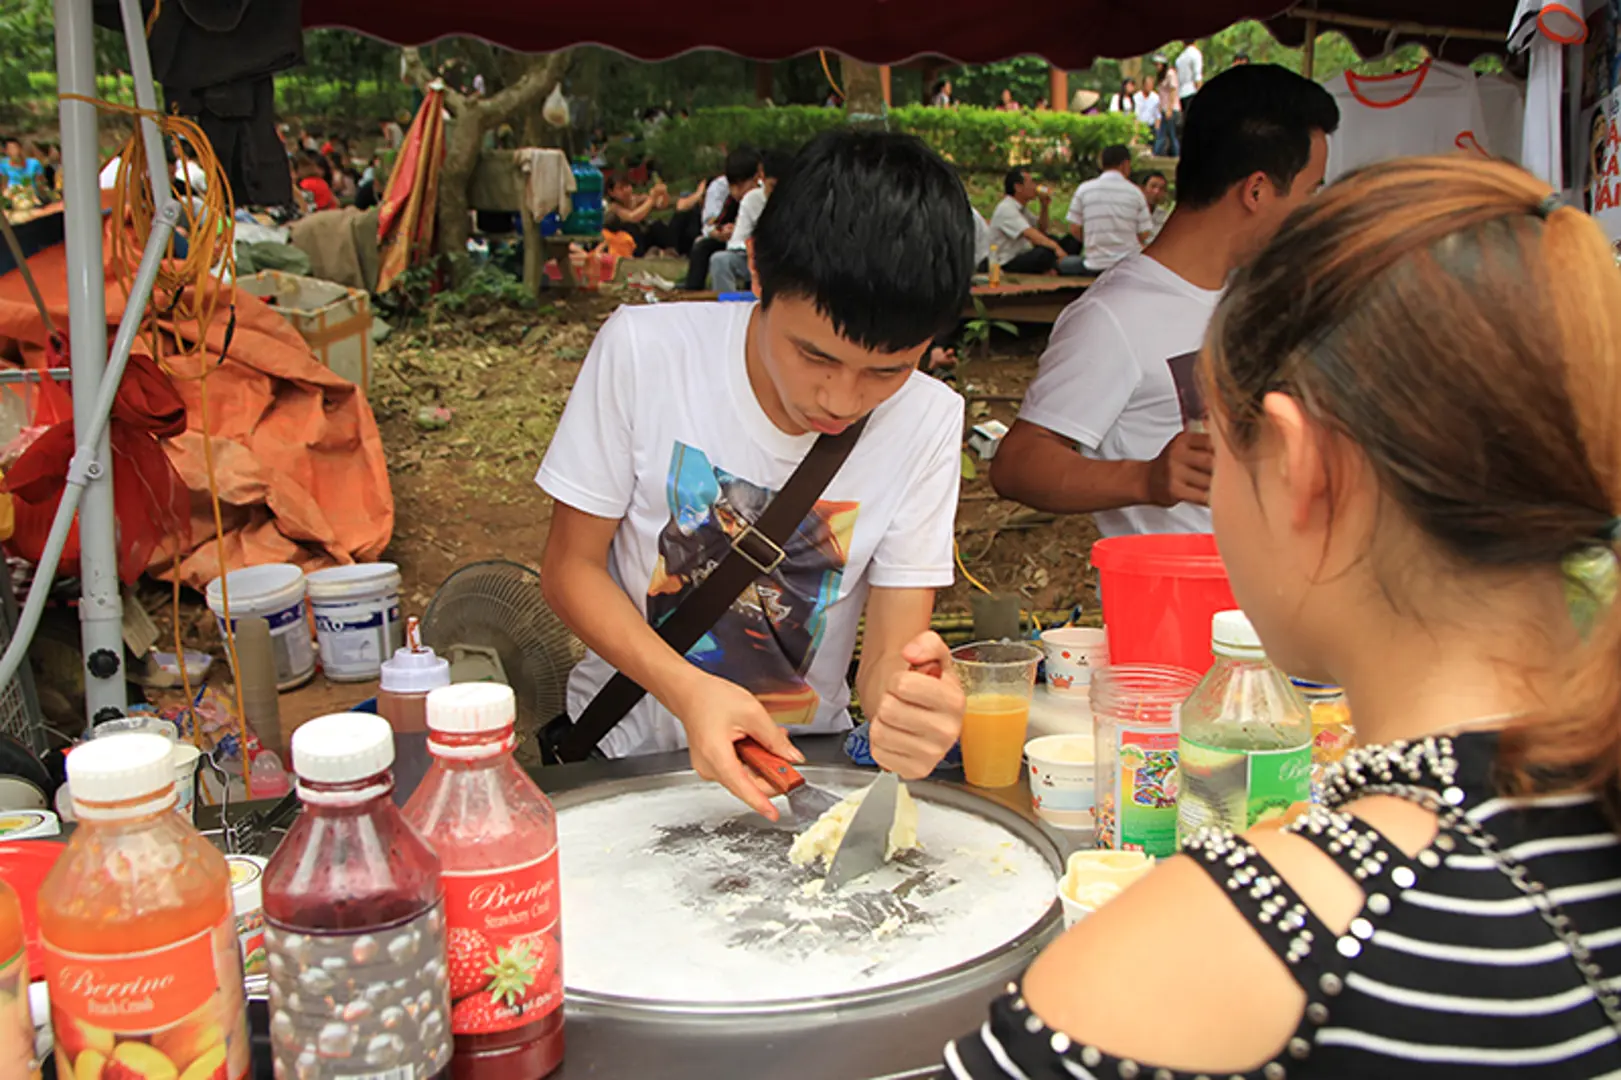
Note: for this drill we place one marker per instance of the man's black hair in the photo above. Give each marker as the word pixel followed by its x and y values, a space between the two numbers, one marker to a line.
pixel 1249 119
pixel 876 231
pixel 1013 179
pixel 1115 156
pixel 1144 178
pixel 777 163
pixel 741 164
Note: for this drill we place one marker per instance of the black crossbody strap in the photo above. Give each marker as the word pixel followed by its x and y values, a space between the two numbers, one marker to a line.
pixel 756 551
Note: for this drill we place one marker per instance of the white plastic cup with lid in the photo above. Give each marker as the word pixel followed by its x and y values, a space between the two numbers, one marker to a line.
pixel 342 748
pixel 126 775
pixel 465 720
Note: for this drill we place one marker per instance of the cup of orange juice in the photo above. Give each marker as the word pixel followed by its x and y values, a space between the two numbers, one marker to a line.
pixel 998 678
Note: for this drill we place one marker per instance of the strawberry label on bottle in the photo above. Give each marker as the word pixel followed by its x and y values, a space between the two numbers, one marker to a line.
pixel 175 1011
pixel 506 951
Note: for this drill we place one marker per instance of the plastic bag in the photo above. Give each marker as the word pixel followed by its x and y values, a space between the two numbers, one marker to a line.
pixel 555 111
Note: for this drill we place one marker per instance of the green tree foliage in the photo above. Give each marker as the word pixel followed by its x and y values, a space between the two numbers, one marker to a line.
pixel 1059 145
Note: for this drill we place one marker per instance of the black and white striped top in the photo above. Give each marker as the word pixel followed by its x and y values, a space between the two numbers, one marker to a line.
pixel 1448 971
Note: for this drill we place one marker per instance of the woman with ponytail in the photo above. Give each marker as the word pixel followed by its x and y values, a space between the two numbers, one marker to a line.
pixel 1416 407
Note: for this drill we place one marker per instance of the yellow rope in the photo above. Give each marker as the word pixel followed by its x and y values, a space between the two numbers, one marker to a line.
pixel 956 550
pixel 829 73
pixel 191 296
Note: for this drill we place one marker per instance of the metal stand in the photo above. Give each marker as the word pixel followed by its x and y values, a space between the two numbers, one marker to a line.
pixel 100 608
pixel 96 377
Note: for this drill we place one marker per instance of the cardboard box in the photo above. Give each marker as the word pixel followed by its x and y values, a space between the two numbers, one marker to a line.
pixel 335 320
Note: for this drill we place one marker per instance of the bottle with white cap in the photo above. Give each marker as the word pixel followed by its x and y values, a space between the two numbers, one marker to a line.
pixel 136 926
pixel 1245 737
pixel 354 918
pixel 497 834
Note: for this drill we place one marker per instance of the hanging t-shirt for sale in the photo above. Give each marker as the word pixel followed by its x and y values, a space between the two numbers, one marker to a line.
pixel 1543 29
pixel 1433 109
pixel 663 433
pixel 1105 380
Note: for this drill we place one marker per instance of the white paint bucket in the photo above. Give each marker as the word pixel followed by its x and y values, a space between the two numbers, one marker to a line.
pixel 357 618
pixel 275 593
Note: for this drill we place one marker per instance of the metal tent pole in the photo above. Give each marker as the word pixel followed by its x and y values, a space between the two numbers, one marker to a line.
pixel 140 71
pixel 100 607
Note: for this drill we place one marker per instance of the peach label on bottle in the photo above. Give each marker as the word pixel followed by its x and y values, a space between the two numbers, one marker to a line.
pixel 171 1011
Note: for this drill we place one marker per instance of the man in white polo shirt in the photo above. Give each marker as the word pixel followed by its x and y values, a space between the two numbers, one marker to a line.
pixel 1109 215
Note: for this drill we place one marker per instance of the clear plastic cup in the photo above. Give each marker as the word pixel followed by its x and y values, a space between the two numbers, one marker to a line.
pixel 998 678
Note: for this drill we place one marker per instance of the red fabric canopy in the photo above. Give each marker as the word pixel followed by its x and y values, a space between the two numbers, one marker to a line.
pixel 1070 35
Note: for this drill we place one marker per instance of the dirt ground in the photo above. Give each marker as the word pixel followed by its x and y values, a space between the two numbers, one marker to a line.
pixel 467 404
pixel 466 492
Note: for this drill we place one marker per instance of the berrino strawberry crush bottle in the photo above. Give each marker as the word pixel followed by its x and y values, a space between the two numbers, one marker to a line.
pixel 496 834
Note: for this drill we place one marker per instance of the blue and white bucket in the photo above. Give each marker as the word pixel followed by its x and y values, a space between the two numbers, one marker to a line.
pixel 275 593
pixel 357 618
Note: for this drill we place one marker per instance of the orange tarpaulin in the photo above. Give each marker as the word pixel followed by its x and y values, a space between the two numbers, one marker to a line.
pixel 299 462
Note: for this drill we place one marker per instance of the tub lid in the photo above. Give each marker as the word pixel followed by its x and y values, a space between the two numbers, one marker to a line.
pixel 254 583
pixel 358 579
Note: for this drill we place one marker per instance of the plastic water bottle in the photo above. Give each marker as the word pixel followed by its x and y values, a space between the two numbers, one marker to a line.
pixel 1245 744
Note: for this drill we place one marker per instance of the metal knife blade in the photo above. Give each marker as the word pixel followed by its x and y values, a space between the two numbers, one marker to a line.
pixel 866 842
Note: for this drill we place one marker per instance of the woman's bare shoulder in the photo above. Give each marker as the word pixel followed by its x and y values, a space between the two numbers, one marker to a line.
pixel 1222 1000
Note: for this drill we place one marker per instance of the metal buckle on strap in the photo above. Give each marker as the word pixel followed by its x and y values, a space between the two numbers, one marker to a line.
pixel 767 555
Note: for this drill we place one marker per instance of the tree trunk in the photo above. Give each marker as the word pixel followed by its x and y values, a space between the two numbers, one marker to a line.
pixel 863 91
pixel 470 118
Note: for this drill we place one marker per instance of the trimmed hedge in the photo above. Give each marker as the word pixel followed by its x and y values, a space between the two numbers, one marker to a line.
pixel 1056 144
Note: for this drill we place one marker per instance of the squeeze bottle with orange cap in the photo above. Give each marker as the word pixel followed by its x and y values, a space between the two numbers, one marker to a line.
pixel 135 921
pixel 407 678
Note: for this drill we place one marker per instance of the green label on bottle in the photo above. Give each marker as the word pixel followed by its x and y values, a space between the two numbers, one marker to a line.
pixel 1138 808
pixel 1236 789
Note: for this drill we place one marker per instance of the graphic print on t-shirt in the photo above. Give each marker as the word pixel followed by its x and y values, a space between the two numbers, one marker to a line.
pixel 766 642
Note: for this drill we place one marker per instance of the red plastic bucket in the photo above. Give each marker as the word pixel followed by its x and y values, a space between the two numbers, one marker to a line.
pixel 1159 594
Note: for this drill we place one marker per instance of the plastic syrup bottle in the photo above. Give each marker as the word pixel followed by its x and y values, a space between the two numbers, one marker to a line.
pixel 402 700
pixel 16 1025
pixel 135 920
pixel 1245 745
pixel 354 922
pixel 497 834
pixel 994 269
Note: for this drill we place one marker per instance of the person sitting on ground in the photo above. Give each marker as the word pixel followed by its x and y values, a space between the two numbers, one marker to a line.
pixel 743 172
pixel 731 267
pixel 1101 430
pixel 1158 197
pixel 686 418
pixel 312 181
pixel 1125 100
pixel 628 212
pixel 20 170
pixel 344 185
pixel 1414 402
pixel 369 188
pixel 1019 240
pixel 50 158
pixel 1109 216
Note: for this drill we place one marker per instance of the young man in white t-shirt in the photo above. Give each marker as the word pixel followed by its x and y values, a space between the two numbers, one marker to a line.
pixel 1101 430
pixel 1109 215
pixel 730 268
pixel 687 418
